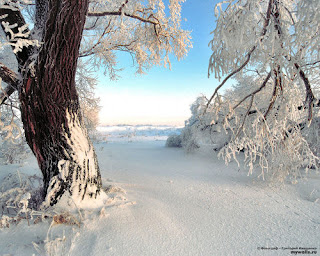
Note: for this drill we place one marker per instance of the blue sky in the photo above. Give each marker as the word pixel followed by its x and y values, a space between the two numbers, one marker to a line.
pixel 163 96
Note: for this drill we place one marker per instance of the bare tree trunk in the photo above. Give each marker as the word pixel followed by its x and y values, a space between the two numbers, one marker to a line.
pixel 50 107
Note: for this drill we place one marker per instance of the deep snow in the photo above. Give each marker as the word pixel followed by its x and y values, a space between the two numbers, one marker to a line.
pixel 166 202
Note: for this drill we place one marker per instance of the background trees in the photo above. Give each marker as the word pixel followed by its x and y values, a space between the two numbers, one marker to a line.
pixel 271 48
pixel 46 59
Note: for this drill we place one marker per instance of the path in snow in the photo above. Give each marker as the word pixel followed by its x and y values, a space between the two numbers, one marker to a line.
pixel 190 204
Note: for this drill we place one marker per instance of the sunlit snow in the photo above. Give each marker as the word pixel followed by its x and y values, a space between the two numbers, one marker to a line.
pixel 163 201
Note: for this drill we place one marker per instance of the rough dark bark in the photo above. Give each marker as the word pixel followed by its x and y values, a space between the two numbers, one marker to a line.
pixel 50 107
pixel 41 15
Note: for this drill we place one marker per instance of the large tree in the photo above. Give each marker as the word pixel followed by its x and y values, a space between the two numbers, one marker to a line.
pixel 47 57
pixel 271 50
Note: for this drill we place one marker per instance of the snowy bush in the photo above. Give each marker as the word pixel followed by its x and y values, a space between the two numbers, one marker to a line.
pixel 199 132
pixel 16 192
pixel 174 141
pixel 20 199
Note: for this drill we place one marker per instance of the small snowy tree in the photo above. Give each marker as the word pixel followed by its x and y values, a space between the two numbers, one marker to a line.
pixel 47 58
pixel 271 48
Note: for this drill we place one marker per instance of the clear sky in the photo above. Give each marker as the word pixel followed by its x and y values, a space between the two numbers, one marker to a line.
pixel 163 96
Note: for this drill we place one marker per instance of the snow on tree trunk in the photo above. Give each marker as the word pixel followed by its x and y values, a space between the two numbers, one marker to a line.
pixel 50 109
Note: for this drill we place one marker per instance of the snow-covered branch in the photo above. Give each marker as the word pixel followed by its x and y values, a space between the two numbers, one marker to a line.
pixel 212 61
pixel 229 76
pixel 120 13
pixel 254 92
pixel 16 30
pixel 141 28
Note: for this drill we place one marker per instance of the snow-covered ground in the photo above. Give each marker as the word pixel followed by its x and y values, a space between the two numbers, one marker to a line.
pixel 163 201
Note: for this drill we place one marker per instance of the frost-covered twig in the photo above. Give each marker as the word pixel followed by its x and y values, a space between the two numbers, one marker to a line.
pixel 15 28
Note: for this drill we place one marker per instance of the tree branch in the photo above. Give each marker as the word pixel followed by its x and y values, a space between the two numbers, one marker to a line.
pixel 273 98
pixel 309 94
pixel 311 64
pixel 267 19
pixel 13 81
pixel 245 117
pixel 9 76
pixel 92 26
pixel 119 13
pixel 90 51
pixel 263 32
pixel 5 94
pixel 229 76
pixel 254 92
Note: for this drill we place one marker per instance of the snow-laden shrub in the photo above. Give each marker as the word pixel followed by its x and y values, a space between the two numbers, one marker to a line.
pixel 189 138
pixel 20 198
pixel 199 131
pixel 174 141
pixel 18 193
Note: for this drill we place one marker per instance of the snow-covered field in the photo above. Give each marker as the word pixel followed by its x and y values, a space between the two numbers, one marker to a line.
pixel 163 201
pixel 136 132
